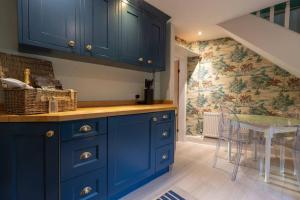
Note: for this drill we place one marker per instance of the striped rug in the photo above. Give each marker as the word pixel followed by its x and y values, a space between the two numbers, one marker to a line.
pixel 171 195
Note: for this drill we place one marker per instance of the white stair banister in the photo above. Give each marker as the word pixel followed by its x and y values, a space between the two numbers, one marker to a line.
pixel 272 13
pixel 287 15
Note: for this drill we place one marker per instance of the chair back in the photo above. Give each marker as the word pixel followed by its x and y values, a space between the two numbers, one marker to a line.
pixel 297 140
pixel 229 124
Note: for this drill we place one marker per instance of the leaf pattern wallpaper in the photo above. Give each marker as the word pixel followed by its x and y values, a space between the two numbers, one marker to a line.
pixel 228 73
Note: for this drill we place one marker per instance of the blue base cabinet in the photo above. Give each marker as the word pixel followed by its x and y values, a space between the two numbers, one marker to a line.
pixel 121 33
pixel 130 154
pixel 29 167
pixel 93 159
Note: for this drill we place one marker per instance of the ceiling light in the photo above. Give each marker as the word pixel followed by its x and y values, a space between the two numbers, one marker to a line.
pixel 199 33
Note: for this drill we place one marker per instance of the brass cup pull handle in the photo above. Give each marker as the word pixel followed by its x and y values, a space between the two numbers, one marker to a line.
pixel 141 59
pixel 72 43
pixel 165 116
pixel 149 61
pixel 50 134
pixel 154 119
pixel 85 129
pixel 85 191
pixel 88 47
pixel 165 134
pixel 85 155
pixel 164 157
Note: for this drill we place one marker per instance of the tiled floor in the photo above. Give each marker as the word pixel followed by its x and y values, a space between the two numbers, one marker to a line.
pixel 194 178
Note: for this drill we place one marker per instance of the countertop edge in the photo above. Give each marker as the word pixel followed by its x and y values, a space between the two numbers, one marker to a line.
pixel 89 113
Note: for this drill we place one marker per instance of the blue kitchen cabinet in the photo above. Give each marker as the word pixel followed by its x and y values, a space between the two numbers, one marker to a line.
pixel 91 159
pixel 155 42
pixel 142 37
pixel 130 33
pixel 126 33
pixel 99 28
pixel 91 186
pixel 29 166
pixel 131 158
pixel 52 24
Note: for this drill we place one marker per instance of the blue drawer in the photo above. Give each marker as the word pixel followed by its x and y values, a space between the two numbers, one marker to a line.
pixel 163 133
pixel 91 186
pixel 164 157
pixel 163 117
pixel 83 128
pixel 81 156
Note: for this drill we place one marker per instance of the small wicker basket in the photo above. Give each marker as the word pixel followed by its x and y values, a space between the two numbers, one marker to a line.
pixel 36 101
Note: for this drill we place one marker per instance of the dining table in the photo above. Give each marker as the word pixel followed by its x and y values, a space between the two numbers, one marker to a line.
pixel 269 126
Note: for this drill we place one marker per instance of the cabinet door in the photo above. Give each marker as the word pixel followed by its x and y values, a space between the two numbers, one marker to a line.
pixel 51 24
pixel 130 155
pixel 30 167
pixel 130 34
pixel 99 27
pixel 155 37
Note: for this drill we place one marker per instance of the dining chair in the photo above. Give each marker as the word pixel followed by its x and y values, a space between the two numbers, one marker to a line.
pixel 229 131
pixel 292 143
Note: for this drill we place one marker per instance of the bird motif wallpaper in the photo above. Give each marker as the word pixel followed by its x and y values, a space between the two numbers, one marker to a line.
pixel 228 73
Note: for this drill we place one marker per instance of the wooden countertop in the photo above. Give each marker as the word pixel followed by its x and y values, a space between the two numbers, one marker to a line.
pixel 88 113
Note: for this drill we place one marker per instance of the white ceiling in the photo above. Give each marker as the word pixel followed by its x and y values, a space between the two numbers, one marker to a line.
pixel 192 16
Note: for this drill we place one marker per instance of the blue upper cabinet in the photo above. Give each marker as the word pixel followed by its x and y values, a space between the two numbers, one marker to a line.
pixel 130 155
pixel 99 28
pixel 155 39
pixel 142 36
pixel 127 33
pixel 50 24
pixel 131 20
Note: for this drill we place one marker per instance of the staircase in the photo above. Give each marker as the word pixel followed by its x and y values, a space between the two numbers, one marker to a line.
pixel 286 14
pixel 272 32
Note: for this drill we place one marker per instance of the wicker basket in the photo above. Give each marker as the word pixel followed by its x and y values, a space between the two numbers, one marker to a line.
pixel 36 101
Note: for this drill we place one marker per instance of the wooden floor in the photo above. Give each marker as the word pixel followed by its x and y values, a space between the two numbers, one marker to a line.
pixel 193 178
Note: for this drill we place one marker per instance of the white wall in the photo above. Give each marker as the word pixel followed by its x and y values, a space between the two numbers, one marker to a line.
pixel 93 82
pixel 166 77
pixel 277 44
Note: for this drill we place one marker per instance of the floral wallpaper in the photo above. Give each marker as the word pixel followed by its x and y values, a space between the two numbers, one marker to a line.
pixel 228 73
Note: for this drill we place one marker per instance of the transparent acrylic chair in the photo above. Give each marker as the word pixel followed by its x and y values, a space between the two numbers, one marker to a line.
pixel 292 143
pixel 296 155
pixel 229 131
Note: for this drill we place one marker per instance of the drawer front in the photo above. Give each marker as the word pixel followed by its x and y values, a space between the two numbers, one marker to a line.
pixel 81 156
pixel 83 128
pixel 163 133
pixel 164 157
pixel 163 117
pixel 91 186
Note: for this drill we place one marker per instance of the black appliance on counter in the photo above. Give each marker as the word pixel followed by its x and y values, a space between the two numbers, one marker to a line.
pixel 148 92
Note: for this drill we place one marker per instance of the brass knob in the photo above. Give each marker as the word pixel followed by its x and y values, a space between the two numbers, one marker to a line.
pixel 85 155
pixel 88 47
pixel 165 116
pixel 164 157
pixel 149 61
pixel 85 129
pixel 72 43
pixel 50 134
pixel 85 191
pixel 165 134
pixel 141 59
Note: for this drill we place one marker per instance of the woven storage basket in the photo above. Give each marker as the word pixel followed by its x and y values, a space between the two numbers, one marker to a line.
pixel 32 101
pixel 36 101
